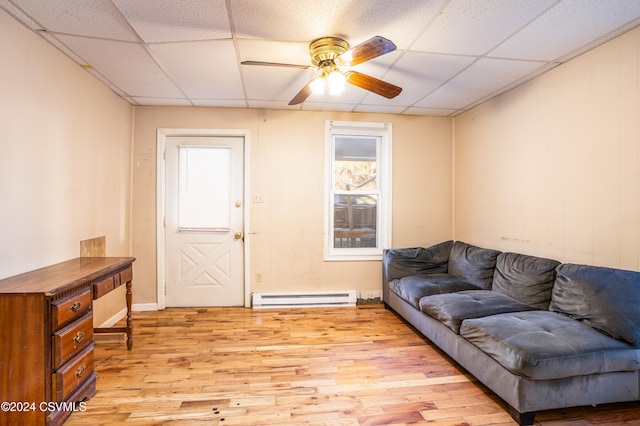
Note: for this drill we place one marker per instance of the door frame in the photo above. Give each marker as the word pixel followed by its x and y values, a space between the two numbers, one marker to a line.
pixel 161 143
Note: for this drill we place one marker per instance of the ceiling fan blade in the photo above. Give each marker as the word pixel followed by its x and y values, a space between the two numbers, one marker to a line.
pixel 302 95
pixel 372 84
pixel 275 64
pixel 372 48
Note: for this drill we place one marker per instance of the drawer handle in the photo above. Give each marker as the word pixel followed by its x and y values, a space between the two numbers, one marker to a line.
pixel 79 337
pixel 80 371
pixel 76 306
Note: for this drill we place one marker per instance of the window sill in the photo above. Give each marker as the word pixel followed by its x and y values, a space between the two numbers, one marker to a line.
pixel 352 257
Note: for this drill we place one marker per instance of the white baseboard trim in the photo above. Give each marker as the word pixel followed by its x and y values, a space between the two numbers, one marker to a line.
pixel 141 307
pixel 114 319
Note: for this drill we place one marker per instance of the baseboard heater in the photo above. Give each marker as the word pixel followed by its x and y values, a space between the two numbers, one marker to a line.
pixel 304 300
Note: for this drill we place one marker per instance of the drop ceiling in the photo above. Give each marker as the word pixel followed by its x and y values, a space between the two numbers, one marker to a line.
pixel 451 54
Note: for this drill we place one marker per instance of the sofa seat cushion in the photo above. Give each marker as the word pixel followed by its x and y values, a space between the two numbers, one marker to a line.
pixel 452 309
pixel 528 279
pixel 415 287
pixel 545 345
pixel 472 264
pixel 604 298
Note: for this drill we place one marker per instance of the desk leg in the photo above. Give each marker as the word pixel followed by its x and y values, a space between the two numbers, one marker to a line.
pixel 129 329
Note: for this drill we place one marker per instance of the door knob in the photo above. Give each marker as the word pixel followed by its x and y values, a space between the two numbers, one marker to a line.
pixel 238 236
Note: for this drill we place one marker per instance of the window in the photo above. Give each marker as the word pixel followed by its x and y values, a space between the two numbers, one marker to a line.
pixel 358 190
pixel 204 192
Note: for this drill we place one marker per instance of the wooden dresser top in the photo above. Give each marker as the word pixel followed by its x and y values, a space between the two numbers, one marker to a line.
pixel 51 279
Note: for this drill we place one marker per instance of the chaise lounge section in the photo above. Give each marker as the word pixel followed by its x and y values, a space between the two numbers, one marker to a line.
pixel 540 334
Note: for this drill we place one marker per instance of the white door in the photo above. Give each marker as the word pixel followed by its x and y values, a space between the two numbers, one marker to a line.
pixel 204 221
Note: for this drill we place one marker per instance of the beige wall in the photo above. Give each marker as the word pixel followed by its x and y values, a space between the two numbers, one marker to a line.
pixel 287 168
pixel 552 168
pixel 65 162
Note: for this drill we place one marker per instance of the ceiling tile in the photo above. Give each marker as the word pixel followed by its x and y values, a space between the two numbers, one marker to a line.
pixel 296 53
pixel 18 14
pixel 221 103
pixel 473 27
pixel 430 111
pixel 95 18
pixel 451 54
pixel 273 105
pixel 141 77
pixel 327 106
pixel 170 20
pixel 350 19
pixel 51 38
pixel 567 27
pixel 199 67
pixel 274 83
pixel 481 79
pixel 383 109
pixel 283 20
pixel 399 20
pixel 421 73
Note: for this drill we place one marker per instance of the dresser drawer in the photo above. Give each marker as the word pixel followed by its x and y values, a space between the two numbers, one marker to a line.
pixel 70 340
pixel 72 374
pixel 126 275
pixel 66 310
pixel 105 286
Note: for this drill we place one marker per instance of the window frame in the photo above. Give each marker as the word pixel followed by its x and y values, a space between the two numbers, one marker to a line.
pixel 383 132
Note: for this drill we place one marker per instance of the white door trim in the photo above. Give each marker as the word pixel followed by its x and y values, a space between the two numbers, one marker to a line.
pixel 161 144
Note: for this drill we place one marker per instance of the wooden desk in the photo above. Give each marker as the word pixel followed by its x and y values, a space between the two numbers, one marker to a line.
pixel 46 338
pixel 109 283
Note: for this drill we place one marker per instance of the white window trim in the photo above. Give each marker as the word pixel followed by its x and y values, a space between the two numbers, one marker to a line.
pixel 384 131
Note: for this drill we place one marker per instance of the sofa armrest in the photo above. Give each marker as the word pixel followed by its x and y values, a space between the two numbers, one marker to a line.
pixel 403 262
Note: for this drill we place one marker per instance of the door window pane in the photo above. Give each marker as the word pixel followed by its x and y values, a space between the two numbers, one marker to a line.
pixel 204 192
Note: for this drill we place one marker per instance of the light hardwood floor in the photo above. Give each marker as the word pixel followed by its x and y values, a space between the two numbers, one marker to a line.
pixel 337 366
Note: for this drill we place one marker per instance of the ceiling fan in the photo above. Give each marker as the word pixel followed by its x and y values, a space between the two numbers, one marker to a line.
pixel 332 57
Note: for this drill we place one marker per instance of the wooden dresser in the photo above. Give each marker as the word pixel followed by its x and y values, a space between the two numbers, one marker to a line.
pixel 46 338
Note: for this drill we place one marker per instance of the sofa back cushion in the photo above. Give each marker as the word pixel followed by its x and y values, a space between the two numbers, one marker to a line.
pixel 473 264
pixel 528 279
pixel 402 262
pixel 606 299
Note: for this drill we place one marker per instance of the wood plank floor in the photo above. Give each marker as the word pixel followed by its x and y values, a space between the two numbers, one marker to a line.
pixel 337 366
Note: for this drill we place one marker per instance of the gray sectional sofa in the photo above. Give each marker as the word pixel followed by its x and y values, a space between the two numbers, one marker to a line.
pixel 540 334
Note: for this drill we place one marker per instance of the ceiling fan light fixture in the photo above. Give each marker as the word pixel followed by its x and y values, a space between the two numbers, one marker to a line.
pixel 346 58
pixel 336 82
pixel 331 57
pixel 317 85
